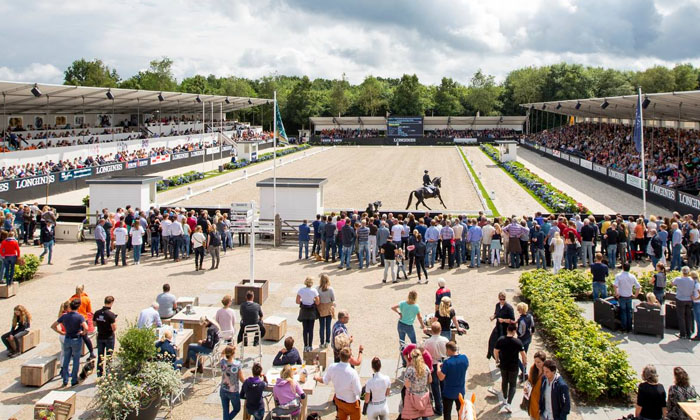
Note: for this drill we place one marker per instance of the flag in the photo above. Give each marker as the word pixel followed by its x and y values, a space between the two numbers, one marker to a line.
pixel 638 126
pixel 281 134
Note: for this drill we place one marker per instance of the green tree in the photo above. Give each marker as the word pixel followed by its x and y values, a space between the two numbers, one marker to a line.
pixel 446 98
pixel 371 96
pixel 567 81
pixel 483 94
pixel 656 79
pixel 685 77
pixel 196 84
pixel 408 98
pixel 522 86
pixel 158 77
pixel 301 104
pixel 90 73
pixel 338 100
pixel 609 82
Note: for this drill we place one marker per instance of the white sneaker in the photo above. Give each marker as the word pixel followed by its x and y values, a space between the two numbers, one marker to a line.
pixel 507 407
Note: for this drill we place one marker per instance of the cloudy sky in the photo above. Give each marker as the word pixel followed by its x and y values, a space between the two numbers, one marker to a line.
pixel 253 38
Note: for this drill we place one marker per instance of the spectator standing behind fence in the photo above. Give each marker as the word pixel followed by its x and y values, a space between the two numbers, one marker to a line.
pixel 304 231
pixel 213 246
pixel 9 250
pixel 326 309
pixel 307 299
pixel 198 241
pixel 685 287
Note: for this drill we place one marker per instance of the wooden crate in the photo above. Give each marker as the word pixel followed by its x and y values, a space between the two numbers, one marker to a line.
pixel 29 341
pixel 39 370
pixel 259 288
pixel 275 328
pixel 9 291
pixel 325 357
pixel 66 397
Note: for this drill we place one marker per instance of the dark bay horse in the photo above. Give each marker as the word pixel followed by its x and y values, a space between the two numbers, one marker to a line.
pixel 422 193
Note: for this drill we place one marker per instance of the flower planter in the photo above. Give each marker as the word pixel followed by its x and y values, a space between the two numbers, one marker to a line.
pixel 150 412
pixel 260 289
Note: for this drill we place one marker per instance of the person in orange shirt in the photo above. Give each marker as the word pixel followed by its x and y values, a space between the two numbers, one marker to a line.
pixel 85 310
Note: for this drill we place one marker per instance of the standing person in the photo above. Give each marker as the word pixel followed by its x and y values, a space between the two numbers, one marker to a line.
pixel 329 237
pixel 458 229
pixel 377 389
pixel 446 237
pixel 587 237
pixel 316 246
pixel 85 309
pixel 696 304
pixel 495 246
pixel 363 235
pixel 74 326
pixel 373 250
pixel 307 299
pixel 436 346
pixel 446 317
pixel 231 378
pixel 187 235
pixel 21 320
pixel 420 254
pixel 304 237
pixel 535 380
pixel 388 253
pixel 487 231
pixel 417 378
pixel 136 234
pixel 347 386
pixel 9 250
pixel 571 250
pixel 252 390
pixel 432 237
pixel 680 391
pixel 154 227
pixel 453 373
pixel 658 282
pixel 676 246
pixel 474 236
pixel 626 288
pixel 198 241
pixel 557 252
pixel 504 315
pixel 213 246
pixel 600 273
pixel 46 234
pixel 348 241
pixel 537 239
pixel 251 314
pixel 120 238
pixel 555 401
pixel 611 237
pixel 326 309
pixel 226 318
pixel 506 354
pixel 106 322
pixel 526 327
pixel 651 396
pixel 513 230
pixel 408 310
pixel 176 232
pixel 101 241
pixel 165 235
pixel 685 287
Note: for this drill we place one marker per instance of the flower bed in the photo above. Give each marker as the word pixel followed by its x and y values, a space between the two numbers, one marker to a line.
pixel 553 198
pixel 597 367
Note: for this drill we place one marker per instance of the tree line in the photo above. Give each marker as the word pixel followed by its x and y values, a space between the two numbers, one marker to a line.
pixel 300 97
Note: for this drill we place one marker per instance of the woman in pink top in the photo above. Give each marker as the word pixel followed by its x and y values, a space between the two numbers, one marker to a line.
pixel 288 394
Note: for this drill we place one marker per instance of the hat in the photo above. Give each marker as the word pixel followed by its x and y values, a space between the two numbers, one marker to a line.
pixel 426 171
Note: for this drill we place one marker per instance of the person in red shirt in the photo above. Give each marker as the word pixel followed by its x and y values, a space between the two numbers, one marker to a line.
pixel 9 249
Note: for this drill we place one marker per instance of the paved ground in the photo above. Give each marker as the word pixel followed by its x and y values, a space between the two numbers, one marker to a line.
pixel 398 169
pixel 507 195
pixel 598 196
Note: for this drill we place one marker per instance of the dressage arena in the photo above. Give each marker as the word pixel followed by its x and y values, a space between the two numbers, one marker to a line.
pixel 360 175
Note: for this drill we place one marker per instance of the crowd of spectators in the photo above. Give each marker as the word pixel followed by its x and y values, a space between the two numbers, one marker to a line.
pixel 350 133
pixel 495 133
pixel 672 157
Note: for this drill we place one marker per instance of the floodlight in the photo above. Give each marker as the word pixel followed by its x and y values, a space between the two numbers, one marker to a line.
pixel 578 105
pixel 160 97
pixel 227 101
pixel 605 104
pixel 109 95
pixel 559 105
pixel 199 101
pixel 35 91
pixel 646 102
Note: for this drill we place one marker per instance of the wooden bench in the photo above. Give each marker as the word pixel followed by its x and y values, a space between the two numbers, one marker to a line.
pixel 29 341
pixel 39 370
pixel 65 409
pixel 9 291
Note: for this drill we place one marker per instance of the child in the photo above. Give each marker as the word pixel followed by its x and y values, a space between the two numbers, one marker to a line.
pixel 400 266
pixel 252 391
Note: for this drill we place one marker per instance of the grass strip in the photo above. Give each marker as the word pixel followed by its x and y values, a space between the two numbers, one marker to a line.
pixel 489 202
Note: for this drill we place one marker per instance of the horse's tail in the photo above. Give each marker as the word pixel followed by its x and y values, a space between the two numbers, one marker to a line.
pixel 410 198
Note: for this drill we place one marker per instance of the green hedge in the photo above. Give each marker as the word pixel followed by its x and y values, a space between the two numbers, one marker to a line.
pixel 28 270
pixel 597 367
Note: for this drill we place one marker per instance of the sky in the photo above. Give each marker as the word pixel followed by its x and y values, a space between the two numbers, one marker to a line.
pixel 255 38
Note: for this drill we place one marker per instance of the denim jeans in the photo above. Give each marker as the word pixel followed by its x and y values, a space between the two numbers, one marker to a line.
pixel 120 249
pixel 571 260
pixel 676 261
pixel 8 264
pixel 612 254
pixel 406 330
pixel 137 253
pixel 308 332
pixel 195 349
pixel 304 244
pixel 526 345
pixel 373 248
pixel 587 252
pixel 437 392
pixel 100 251
pixel 475 254
pixel 459 244
pixel 177 244
pixel 430 253
pixel 48 248
pixel 696 315
pixel 185 245
pixel 324 328
pixel 155 245
pixel 259 414
pixel 232 398
pixel 600 290
pixel 71 351
pixel 316 246
pixel 540 261
pixel 515 259
pixel 105 347
pixel 626 313
pixel 330 247
pixel 345 257
pixel 364 253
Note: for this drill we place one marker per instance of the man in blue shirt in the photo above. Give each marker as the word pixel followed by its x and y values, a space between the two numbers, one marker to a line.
pixel 329 237
pixel 537 239
pixel 474 238
pixel 452 372
pixel 676 246
pixel 74 326
pixel 432 236
pixel 304 232
pixel 315 249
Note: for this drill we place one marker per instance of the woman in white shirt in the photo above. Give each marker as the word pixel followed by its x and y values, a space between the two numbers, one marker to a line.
pixel 307 299
pixel 198 240
pixel 377 390
pixel 136 234
pixel 557 252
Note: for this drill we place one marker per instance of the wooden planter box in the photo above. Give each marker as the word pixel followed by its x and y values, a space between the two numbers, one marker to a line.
pixel 9 291
pixel 39 371
pixel 259 288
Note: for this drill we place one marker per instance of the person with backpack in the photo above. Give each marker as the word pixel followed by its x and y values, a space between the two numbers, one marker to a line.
pixel 658 281
pixel 526 327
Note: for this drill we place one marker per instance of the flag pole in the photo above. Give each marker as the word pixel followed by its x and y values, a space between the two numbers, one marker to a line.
pixel 274 160
pixel 641 134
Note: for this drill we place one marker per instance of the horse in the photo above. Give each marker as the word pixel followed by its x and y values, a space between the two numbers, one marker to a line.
pixel 422 193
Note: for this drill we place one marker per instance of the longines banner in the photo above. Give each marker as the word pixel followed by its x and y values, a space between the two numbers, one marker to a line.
pixel 575 160
pixel 617 175
pixel 459 140
pixel 586 164
pixel 689 200
pixel 178 156
pixel 564 156
pixel 663 191
pixel 600 169
pixel 23 183
pixel 548 150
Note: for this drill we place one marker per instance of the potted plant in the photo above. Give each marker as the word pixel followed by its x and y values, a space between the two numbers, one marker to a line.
pixel 135 379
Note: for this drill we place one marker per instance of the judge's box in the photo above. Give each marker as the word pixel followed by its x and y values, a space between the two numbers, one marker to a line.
pixel 275 328
pixel 324 356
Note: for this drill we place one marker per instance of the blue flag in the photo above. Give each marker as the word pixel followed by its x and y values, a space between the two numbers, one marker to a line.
pixel 638 126
pixel 281 134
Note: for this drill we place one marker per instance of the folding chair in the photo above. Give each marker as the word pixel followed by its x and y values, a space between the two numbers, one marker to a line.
pixel 399 362
pixel 208 359
pixel 251 335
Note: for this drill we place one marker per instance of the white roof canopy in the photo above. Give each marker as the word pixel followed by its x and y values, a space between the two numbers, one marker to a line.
pixel 668 106
pixel 19 98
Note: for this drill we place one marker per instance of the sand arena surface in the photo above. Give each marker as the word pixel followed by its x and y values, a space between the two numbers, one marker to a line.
pixel 360 175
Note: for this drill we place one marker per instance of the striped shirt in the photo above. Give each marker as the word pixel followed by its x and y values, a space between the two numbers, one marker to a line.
pixel 447 233
pixel 363 234
pixel 514 230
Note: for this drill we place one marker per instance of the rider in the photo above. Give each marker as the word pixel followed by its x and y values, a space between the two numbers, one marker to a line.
pixel 427 182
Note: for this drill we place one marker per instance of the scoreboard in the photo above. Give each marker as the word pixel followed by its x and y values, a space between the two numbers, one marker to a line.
pixel 404 127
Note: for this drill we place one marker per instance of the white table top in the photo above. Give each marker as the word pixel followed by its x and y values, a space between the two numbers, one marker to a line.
pixel 197 312
pixel 273 375
pixel 179 336
pixel 52 396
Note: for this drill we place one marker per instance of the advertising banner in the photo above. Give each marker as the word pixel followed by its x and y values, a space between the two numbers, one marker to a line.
pixel 564 156
pixel 197 153
pixel 617 175
pixel 634 181
pixel 160 159
pixel 586 164
pixel 112 167
pixel 689 200
pixel 459 140
pixel 663 191
pixel 600 169
pixel 178 156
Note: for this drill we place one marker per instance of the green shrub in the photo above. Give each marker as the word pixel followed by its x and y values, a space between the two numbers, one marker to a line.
pixel 597 367
pixel 28 270
pixel 136 347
